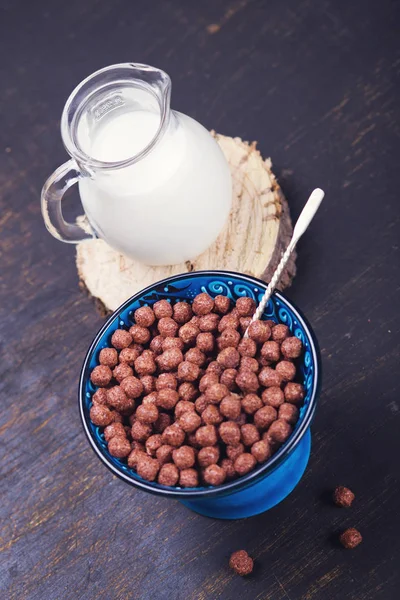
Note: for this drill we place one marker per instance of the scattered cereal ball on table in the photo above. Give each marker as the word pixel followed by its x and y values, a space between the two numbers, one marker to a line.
pixel 208 323
pixel 108 357
pixel 249 434
pixel 188 371
pixel 208 455
pixel 167 398
pixel 101 376
pixel 206 435
pixel 229 358
pixel 280 332
pixel 291 347
pixel 244 463
pixel 273 396
pixel 147 413
pixel 121 371
pixel 145 365
pixel 241 563
pixel 184 457
pixel 271 351
pixel 121 339
pixel 164 454
pixel 216 392
pixel 202 304
pixel 147 467
pixel 214 475
pixel 269 377
pixel 100 396
pixel 247 381
pixel 100 415
pixel 227 465
pixel 294 393
pixel 144 316
pixel 247 347
pixel 117 398
pixel 196 356
pixel 162 422
pixel 259 331
pixel 233 452
pixel 245 306
pixel 230 407
pixel 228 322
pixel 211 415
pixel 350 538
pixel 188 478
pixel 286 370
pixel 189 421
pixel 173 435
pixel 162 309
pixel 261 451
pixel 229 338
pixel 289 412
pixel 167 327
pixel 280 430
pixel 188 333
pixel 343 497
pixel 264 417
pixel 168 475
pixel 153 443
pixel 230 433
pixel 113 430
pixel 205 342
pixel 129 355
pixel 119 446
pixel 141 431
pixel 170 359
pixel 182 312
pixel 222 304
pixel 251 403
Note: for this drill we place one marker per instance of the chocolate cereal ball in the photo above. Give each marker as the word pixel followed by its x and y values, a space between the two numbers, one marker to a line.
pixel 241 563
pixel 188 333
pixel 250 434
pixel 100 415
pixel 145 365
pixel 147 414
pixel 230 433
pixel 216 392
pixel 251 403
pixel 205 342
pixel 184 457
pixel 215 367
pixel 182 312
pixel 164 454
pixel 229 338
pixel 101 375
pixel 121 371
pixel 206 435
pixel 162 422
pixel 166 381
pixel 209 322
pixel 286 370
pixel 117 398
pixel 208 380
pixel 247 347
pixel 189 421
pixel 167 327
pixel 150 399
pixel 261 451
pixel 350 538
pixel 249 364
pixel 117 417
pixel 202 304
pixel 129 355
pixel 153 443
pixel 201 404
pixel 121 339
pixel 173 435
pixel 244 463
pixel 100 396
pixel 208 456
pixel 264 417
pixel 229 358
pixel 289 413
pixel 291 347
pixel 233 452
pixel 168 475
pixel 244 323
pixel 134 457
pixel 268 377
pixel 230 321
pixel 147 468
pixel 144 316
pixel 172 342
pixel 228 378
pixel 141 431
pixel 271 351
pixel 211 415
pixel 214 475
pixel 183 406
pixel 188 371
pixel 280 333
pixel 196 356
pixel 222 304
pixel 162 309
pixel 119 446
pixel 108 357
pixel 259 331
pixel 113 430
pixel 132 386
pixel 156 344
pixel 247 381
pixel 294 393
pixel 342 496
pixel 170 359
pixel 279 431
pixel 140 335
pixel 188 478
pixel 230 407
pixel 227 466
pixel 273 396
pixel 245 306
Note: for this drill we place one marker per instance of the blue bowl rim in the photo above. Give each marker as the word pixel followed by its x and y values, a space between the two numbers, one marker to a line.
pixel 259 472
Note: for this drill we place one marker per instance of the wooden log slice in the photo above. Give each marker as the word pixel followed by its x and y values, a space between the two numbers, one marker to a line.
pixel 258 231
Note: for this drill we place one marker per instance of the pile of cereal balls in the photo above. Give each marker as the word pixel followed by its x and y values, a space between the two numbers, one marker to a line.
pixel 187 400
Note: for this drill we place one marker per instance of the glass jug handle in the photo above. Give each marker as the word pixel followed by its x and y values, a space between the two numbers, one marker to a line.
pixel 52 194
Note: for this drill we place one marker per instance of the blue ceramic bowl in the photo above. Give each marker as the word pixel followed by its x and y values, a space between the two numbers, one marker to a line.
pixel 270 482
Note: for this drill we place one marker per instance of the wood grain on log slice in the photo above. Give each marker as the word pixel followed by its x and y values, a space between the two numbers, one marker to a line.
pixel 258 231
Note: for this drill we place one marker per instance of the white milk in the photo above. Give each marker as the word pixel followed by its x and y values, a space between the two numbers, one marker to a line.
pixel 169 206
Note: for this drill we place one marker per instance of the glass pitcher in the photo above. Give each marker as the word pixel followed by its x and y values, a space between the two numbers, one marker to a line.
pixel 153 182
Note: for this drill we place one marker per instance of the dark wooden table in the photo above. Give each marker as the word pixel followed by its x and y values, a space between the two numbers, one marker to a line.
pixel 315 84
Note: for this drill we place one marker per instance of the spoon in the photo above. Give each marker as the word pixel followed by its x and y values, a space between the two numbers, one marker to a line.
pixel 303 222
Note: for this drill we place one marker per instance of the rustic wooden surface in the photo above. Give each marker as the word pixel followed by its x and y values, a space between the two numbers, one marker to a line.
pixel 315 83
